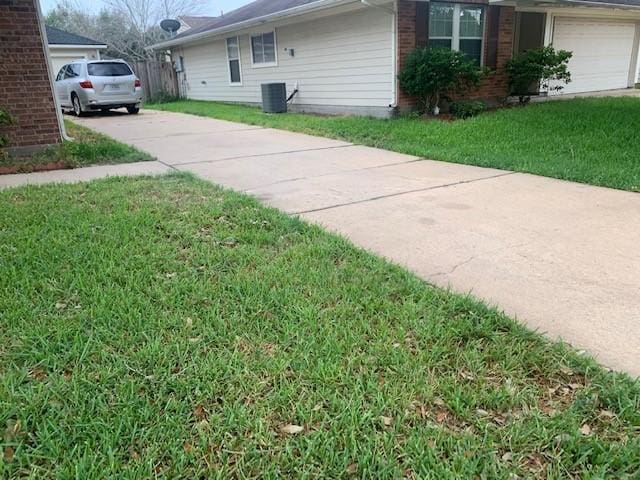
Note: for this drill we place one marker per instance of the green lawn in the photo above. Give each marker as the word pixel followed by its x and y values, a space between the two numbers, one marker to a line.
pixel 165 328
pixel 592 140
pixel 88 148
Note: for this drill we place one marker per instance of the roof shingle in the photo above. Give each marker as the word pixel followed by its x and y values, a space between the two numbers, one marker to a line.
pixel 55 36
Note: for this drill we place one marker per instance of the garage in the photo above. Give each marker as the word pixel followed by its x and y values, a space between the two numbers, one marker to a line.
pixel 604 52
pixel 65 47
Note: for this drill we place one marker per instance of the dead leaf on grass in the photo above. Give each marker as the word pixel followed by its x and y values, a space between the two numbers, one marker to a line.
pixel 291 429
pixel 585 429
pixel 37 373
pixel 187 447
pixel 352 469
pixel 8 453
pixel 507 457
pixel 607 414
pixel 200 413
pixel 386 421
pixel 189 322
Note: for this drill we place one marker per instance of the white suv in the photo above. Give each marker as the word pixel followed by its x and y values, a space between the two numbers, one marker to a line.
pixel 85 85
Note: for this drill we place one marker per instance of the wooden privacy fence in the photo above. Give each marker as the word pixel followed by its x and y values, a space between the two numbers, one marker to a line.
pixel 157 78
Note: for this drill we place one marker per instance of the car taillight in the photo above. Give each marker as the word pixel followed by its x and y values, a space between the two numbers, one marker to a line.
pixel 86 84
pixel 138 83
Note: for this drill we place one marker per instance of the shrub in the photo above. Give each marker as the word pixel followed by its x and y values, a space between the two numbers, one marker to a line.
pixel 538 68
pixel 467 109
pixel 430 73
pixel 5 119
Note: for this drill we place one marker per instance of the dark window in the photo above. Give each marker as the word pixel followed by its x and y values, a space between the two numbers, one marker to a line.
pixel 109 69
pixel 75 70
pixel 61 73
pixel 233 55
pixel 458 27
pixel 263 48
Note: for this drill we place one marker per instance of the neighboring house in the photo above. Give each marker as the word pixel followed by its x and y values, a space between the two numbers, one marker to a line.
pixel 187 23
pixel 25 82
pixel 343 56
pixel 65 47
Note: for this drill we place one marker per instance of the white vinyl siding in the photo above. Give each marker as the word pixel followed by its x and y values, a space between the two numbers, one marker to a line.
pixel 342 60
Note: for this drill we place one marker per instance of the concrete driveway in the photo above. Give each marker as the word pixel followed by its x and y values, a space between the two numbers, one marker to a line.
pixel 561 257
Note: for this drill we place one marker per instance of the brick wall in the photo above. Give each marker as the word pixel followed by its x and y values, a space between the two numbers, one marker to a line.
pixel 493 87
pixel 25 90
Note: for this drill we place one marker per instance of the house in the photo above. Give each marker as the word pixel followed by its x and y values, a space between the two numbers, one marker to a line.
pixel 343 56
pixel 65 47
pixel 187 22
pixel 26 89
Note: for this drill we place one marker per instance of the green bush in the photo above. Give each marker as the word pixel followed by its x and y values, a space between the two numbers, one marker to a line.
pixel 467 108
pixel 537 68
pixel 5 119
pixel 431 73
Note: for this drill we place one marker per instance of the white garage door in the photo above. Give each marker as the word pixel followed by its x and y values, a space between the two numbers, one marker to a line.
pixel 602 51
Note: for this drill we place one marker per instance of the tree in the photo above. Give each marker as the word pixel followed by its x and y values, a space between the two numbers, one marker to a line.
pixel 128 27
pixel 430 73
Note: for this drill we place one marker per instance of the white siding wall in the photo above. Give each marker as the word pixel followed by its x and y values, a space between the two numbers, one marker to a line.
pixel 344 62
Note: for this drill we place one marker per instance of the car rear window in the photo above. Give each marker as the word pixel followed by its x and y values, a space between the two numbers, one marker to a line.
pixel 109 69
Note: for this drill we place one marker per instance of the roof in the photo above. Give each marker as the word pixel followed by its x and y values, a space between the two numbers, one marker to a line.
pixel 195 22
pixel 55 36
pixel 256 9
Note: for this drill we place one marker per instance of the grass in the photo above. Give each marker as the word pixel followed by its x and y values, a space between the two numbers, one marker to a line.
pixel 165 328
pixel 88 148
pixel 591 140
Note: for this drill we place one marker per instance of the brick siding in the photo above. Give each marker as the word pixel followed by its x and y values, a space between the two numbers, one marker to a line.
pixel 493 87
pixel 25 89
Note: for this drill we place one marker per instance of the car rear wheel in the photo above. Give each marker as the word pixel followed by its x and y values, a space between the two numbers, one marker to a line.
pixel 77 106
pixel 133 110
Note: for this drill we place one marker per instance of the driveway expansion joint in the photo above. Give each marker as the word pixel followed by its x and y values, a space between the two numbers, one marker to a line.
pixel 309 177
pixel 398 194
pixel 263 155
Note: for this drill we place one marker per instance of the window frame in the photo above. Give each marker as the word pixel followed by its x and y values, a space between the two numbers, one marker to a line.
pixel 239 59
pixel 275 49
pixel 455 27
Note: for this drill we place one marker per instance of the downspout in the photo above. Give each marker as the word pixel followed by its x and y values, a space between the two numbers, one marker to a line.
pixel 45 50
pixel 394 48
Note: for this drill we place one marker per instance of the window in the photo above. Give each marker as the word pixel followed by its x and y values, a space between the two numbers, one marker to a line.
pixel 62 73
pixel 233 57
pixel 458 27
pixel 109 69
pixel 75 70
pixel 263 49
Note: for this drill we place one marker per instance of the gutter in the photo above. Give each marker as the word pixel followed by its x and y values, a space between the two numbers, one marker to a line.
pixel 609 5
pixel 291 12
pixel 586 3
pixel 72 46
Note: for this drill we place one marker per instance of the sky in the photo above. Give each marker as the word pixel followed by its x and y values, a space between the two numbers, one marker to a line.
pixel 213 6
